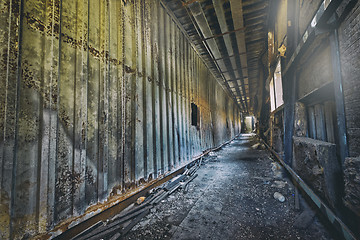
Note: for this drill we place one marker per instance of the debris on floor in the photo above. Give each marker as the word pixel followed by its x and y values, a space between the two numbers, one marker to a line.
pixel 279 196
pixel 122 223
pixel 259 146
pixel 231 196
pixel 279 184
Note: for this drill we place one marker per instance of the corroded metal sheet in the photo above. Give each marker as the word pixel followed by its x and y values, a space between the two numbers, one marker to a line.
pixel 95 103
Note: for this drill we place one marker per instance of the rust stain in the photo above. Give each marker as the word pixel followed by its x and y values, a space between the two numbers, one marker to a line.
pixel 129 69
pixel 41 27
pixel 114 198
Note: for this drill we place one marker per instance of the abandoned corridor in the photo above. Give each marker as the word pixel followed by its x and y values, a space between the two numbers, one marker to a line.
pixel 102 101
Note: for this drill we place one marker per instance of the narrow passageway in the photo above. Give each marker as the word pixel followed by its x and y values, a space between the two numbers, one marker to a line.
pixel 232 198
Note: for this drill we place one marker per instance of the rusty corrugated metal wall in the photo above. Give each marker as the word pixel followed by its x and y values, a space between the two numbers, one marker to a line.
pixel 95 100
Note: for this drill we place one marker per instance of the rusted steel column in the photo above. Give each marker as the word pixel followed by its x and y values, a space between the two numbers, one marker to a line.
pixel 339 95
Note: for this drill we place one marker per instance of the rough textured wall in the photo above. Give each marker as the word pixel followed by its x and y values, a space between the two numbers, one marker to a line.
pixel 349 36
pixel 94 101
pixel 352 184
pixel 306 13
pixel 315 68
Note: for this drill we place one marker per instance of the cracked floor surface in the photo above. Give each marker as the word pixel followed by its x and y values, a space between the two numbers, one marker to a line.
pixel 232 198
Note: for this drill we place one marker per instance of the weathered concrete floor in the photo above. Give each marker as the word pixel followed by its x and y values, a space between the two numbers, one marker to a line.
pixel 232 198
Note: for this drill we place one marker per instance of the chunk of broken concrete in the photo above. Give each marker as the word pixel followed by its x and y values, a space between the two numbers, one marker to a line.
pixel 278 196
pixel 316 163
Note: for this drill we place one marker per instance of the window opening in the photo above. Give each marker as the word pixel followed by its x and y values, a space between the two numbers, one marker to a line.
pixel 195 115
pixel 278 86
pixel 272 95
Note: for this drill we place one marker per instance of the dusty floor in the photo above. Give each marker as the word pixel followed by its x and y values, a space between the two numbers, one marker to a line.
pixel 232 198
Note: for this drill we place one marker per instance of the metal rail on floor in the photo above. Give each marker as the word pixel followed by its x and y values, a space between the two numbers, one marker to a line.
pixel 334 220
pixel 111 211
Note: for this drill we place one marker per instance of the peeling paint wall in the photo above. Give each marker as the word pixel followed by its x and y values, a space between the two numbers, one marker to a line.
pixel 94 101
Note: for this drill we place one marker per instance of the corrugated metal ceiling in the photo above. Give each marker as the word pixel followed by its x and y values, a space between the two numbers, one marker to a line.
pixel 230 35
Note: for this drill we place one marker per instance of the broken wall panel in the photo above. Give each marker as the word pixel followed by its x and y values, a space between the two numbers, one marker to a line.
pixel 95 101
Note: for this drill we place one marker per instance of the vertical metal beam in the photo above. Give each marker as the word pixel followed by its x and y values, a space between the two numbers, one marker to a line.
pixel 289 99
pixel 339 95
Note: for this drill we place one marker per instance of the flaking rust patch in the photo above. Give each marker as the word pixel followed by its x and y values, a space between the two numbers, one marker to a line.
pixel 4 221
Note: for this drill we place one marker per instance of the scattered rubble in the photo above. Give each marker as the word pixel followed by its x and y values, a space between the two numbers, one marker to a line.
pixel 277 169
pixel 122 223
pixel 232 196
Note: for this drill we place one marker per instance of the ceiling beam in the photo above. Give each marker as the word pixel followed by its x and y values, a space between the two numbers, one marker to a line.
pixel 224 33
pixel 230 56
pixel 237 16
pixel 220 13
pixel 249 3
pixel 214 70
pixel 206 32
